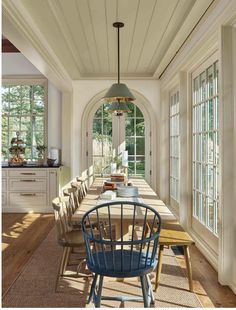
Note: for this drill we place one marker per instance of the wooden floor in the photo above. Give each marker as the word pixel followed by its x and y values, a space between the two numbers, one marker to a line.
pixel 23 233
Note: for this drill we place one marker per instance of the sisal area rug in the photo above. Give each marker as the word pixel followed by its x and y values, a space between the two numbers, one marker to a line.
pixel 35 287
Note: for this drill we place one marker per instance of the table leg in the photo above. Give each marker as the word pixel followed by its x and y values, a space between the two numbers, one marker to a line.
pixel 159 265
pixel 188 266
pixel 125 230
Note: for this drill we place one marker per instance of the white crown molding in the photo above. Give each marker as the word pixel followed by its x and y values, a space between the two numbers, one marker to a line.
pixel 192 19
pixel 219 12
pixel 20 29
pixel 204 41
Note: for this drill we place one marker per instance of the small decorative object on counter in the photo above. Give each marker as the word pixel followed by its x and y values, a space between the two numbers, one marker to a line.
pixel 50 161
pixel 41 150
pixel 17 151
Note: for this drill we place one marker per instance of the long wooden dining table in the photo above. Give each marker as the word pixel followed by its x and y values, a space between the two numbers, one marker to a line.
pixel 146 195
pixel 171 233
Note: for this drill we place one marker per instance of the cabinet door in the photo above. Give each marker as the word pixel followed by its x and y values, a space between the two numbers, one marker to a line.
pixel 53 185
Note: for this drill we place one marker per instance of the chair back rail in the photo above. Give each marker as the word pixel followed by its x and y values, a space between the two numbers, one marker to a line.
pixel 72 193
pixel 61 206
pixel 106 253
pixel 84 183
pixel 80 191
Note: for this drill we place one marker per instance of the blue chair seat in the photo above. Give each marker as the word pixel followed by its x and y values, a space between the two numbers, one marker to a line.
pixel 111 264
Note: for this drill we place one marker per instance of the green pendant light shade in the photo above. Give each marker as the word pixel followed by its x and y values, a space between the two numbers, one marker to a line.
pixel 119 93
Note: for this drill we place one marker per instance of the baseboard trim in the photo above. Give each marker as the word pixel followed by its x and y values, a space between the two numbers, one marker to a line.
pixel 205 249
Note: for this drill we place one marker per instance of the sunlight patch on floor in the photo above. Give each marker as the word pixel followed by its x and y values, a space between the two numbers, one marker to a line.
pixel 15 231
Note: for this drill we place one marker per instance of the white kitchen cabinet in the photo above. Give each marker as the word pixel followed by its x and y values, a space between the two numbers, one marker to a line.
pixel 29 189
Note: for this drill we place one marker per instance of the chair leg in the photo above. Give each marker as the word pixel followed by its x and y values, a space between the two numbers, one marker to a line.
pixel 189 267
pixel 159 265
pixel 92 290
pixel 61 267
pixel 150 291
pixel 66 259
pixel 97 298
pixel 146 299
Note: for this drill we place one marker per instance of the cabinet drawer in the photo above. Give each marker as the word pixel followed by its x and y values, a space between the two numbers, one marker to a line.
pixel 25 199
pixel 4 199
pixel 27 184
pixel 4 173
pixel 27 173
pixel 4 185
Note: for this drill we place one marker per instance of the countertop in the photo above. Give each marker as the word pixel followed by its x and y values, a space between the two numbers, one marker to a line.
pixel 32 166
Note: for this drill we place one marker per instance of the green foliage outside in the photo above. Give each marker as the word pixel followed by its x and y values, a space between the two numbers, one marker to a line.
pixel 23 108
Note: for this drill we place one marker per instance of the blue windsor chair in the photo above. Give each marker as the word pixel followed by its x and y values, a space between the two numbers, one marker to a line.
pixel 107 256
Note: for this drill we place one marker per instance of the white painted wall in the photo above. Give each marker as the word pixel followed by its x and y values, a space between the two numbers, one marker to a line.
pixel 84 91
pixel 16 64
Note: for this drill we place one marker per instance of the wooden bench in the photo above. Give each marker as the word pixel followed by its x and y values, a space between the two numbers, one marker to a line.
pixel 172 234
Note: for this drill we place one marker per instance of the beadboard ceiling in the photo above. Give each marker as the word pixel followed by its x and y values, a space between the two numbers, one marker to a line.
pixel 81 36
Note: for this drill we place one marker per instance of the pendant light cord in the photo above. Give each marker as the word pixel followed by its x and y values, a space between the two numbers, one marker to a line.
pixel 118 36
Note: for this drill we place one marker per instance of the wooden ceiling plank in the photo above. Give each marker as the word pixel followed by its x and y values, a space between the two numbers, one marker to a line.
pixel 60 18
pixel 177 19
pixel 86 22
pixel 98 21
pixel 158 23
pixel 142 23
pixel 73 21
pixel 127 12
pixel 45 21
pixel 78 38
pixel 111 17
pixel 190 21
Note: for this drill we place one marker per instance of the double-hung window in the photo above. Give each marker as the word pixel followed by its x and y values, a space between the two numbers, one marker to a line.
pixel 24 110
pixel 174 148
pixel 205 149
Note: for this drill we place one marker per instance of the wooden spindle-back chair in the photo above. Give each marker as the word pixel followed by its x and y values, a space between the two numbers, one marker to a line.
pixel 121 258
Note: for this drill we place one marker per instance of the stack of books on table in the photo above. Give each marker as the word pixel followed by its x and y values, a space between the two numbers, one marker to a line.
pixel 118 177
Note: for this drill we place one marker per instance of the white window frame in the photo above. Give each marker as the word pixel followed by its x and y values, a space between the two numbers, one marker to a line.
pixel 174 148
pixel 198 226
pixel 32 80
pixel 103 156
pixel 135 137
pixel 119 137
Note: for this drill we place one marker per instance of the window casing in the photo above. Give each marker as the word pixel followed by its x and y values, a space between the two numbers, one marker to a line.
pixel 102 139
pixel 174 146
pixel 205 147
pixel 24 109
pixel 135 140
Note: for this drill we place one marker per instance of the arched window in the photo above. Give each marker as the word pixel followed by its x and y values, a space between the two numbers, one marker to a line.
pixel 114 134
